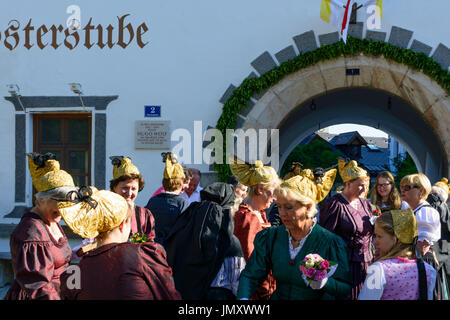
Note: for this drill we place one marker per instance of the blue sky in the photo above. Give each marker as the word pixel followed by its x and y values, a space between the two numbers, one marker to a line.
pixel 365 131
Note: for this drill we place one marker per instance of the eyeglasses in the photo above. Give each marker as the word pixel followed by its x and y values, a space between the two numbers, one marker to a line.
pixel 409 187
pixel 384 185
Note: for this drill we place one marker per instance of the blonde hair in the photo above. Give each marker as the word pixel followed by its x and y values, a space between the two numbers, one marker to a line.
pixel 386 223
pixel 420 180
pixel 266 186
pixel 440 191
pixel 292 195
pixel 394 200
pixel 235 207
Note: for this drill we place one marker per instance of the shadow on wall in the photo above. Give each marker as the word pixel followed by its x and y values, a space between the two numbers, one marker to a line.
pixel 6 273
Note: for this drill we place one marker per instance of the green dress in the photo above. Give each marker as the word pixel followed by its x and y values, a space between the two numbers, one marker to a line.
pixel 272 252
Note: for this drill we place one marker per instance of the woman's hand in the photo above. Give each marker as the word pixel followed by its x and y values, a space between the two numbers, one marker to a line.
pixel 318 284
pixel 423 247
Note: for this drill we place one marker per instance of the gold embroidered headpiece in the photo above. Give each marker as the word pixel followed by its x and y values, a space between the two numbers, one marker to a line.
pixel 173 169
pixel 443 184
pixel 405 225
pixel 311 186
pixel 250 175
pixel 123 166
pixel 296 168
pixel 46 173
pixel 350 171
pixel 93 212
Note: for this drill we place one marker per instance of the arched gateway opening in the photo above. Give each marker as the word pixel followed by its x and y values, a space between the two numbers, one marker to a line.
pixel 386 95
pixel 366 107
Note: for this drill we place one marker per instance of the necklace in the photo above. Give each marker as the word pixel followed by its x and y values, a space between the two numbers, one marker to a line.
pixel 299 243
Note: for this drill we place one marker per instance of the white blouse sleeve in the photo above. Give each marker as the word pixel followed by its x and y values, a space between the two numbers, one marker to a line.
pixel 404 206
pixel 374 284
pixel 428 224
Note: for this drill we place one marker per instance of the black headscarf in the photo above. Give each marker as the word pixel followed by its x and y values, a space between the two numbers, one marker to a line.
pixel 220 193
pixel 201 239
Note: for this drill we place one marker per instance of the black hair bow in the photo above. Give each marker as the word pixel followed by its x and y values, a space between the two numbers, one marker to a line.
pixel 83 194
pixel 40 159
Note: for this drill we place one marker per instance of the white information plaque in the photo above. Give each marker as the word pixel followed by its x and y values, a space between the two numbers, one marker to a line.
pixel 152 135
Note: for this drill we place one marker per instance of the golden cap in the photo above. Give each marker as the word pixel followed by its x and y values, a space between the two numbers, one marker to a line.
pixel 443 184
pixel 250 175
pixel 46 173
pixel 123 166
pixel 295 170
pixel 405 225
pixel 350 171
pixel 173 169
pixel 109 210
pixel 308 186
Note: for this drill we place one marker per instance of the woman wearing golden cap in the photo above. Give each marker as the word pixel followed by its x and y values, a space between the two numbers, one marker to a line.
pixel 40 250
pixel 348 215
pixel 128 182
pixel 113 268
pixel 251 218
pixel 283 249
pixel 397 274
pixel 168 205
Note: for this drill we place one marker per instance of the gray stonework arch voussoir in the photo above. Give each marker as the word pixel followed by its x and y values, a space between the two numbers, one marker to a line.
pixel 100 103
pixel 427 101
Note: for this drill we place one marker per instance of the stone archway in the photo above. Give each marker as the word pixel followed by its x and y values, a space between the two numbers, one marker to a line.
pixel 418 115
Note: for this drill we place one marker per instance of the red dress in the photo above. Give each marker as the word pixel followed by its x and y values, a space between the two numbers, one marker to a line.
pixel 122 271
pixel 246 226
pixel 38 260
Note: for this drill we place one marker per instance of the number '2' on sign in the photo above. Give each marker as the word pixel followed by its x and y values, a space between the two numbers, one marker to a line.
pixel 153 111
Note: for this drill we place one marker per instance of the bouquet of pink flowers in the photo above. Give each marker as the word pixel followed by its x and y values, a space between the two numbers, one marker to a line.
pixel 314 267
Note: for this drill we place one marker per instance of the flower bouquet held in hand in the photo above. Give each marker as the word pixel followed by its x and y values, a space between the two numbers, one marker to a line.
pixel 316 270
pixel 375 214
pixel 139 238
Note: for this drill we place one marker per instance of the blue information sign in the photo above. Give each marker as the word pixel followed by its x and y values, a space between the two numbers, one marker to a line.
pixel 153 111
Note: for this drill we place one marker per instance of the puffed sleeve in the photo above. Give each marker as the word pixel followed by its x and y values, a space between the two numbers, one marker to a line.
pixel 339 285
pixel 156 273
pixel 428 224
pixel 258 265
pixel 246 226
pixel 34 269
pixel 329 214
pixel 148 223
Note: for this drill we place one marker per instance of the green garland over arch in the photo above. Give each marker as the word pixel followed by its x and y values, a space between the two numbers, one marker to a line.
pixel 354 46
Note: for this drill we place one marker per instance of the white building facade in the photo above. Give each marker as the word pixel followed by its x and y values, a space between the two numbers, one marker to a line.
pixel 182 57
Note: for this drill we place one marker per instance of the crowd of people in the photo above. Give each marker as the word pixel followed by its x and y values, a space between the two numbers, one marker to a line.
pixel 256 237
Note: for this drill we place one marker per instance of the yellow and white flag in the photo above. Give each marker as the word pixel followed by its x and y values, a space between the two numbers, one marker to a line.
pixel 332 12
pixel 337 13
pixel 374 13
